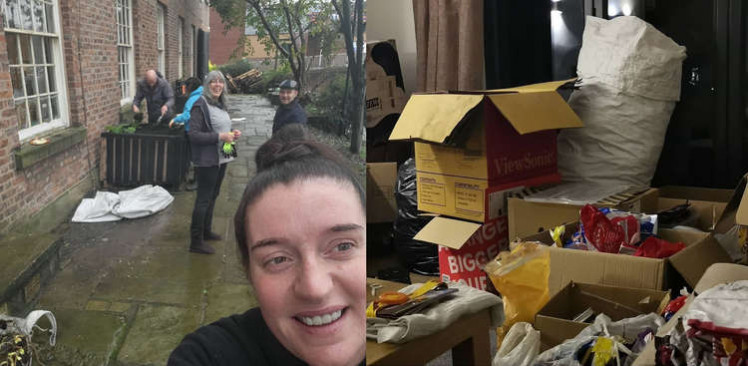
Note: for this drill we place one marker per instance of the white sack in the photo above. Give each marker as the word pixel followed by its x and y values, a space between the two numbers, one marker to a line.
pixel 142 201
pixel 630 80
pixel 97 209
pixel 520 347
pixel 139 202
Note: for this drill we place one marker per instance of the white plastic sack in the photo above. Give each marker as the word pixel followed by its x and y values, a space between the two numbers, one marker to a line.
pixel 723 306
pixel 97 209
pixel 632 56
pixel 139 202
pixel 630 80
pixel 25 326
pixel 520 346
pixel 142 201
pixel 563 354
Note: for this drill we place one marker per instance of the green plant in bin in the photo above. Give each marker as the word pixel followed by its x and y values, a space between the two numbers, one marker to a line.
pixel 124 128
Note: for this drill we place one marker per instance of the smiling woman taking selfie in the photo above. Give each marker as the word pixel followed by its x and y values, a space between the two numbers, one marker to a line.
pixel 300 231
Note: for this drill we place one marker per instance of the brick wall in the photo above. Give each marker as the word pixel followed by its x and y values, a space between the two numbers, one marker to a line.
pixel 145 34
pixel 11 184
pixel 89 41
pixel 224 43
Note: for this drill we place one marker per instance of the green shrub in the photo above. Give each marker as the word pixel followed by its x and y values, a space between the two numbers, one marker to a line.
pixel 236 68
pixel 273 78
pixel 329 101
pixel 327 105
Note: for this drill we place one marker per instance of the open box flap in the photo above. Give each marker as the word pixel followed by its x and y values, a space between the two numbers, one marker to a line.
pixel 447 232
pixel 736 211
pixel 532 112
pixel 534 88
pixel 433 117
pixel 693 260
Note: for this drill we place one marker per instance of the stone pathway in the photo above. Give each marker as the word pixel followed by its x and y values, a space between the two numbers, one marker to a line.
pixel 128 292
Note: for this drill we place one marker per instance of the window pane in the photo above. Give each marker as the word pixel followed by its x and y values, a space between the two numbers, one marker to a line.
pixel 48 49
pixel 41 79
pixel 51 76
pixel 38 44
pixel 17 81
pixel 52 80
pixel 33 111
pixel 38 16
pixel 11 13
pixel 12 48
pixel 25 48
pixel 44 104
pixel 55 107
pixel 26 22
pixel 21 114
pixel 28 75
pixel 50 14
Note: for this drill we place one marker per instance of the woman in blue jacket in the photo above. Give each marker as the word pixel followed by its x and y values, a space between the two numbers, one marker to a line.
pixel 195 90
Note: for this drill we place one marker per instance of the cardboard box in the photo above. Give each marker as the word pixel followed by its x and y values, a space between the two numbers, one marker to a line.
pixel 381 179
pixel 555 320
pixel 527 218
pixel 714 275
pixel 708 203
pixel 473 144
pixel 736 213
pixel 383 96
pixel 567 265
pixel 465 248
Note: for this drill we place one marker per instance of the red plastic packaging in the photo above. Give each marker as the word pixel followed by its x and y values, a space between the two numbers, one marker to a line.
pixel 673 307
pixel 603 234
pixel 658 248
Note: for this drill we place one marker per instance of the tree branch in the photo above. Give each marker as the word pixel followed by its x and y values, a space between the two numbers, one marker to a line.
pixel 284 5
pixel 256 5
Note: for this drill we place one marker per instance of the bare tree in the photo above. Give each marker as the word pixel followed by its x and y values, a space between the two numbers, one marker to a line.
pixel 275 20
pixel 352 27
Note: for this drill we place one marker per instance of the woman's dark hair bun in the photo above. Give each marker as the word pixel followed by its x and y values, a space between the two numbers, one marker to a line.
pixel 291 143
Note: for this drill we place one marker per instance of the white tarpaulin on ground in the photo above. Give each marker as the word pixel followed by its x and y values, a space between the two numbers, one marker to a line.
pixel 139 202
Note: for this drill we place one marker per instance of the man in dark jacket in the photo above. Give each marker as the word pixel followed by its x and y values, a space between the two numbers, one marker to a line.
pixel 290 111
pixel 157 93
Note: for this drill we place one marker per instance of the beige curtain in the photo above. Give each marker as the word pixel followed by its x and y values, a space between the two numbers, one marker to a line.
pixel 449 42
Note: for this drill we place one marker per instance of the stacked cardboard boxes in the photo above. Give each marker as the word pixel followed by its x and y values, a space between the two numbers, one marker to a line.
pixel 472 149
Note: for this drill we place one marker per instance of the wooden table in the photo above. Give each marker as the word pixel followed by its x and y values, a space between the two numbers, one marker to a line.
pixel 467 338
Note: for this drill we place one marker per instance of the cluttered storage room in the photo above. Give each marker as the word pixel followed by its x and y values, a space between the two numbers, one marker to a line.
pixel 557 182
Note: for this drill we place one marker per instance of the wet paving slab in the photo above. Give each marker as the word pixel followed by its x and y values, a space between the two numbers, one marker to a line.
pixel 128 292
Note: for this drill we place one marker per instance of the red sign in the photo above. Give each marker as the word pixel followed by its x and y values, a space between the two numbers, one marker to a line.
pixel 466 264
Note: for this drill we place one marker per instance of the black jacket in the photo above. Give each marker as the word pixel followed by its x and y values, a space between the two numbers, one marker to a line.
pixel 203 139
pixel 241 339
pixel 161 94
pixel 287 114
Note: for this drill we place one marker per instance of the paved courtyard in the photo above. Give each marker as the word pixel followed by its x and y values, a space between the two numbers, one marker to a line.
pixel 129 291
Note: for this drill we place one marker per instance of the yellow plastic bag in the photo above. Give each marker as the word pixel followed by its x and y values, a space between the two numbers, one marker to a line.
pixel 521 277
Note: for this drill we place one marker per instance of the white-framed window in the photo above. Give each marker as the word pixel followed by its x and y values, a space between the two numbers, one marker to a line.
pixel 161 41
pixel 35 61
pixel 193 50
pixel 125 56
pixel 180 49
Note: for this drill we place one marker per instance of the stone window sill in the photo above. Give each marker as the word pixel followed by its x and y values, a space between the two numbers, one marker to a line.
pixel 29 155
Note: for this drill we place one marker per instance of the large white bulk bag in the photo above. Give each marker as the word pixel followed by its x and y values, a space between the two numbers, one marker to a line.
pixel 630 81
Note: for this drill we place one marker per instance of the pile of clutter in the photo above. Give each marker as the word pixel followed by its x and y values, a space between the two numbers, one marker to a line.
pixel 599 269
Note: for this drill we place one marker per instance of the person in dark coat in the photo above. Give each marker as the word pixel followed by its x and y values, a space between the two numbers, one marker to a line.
pixel 158 94
pixel 290 111
pixel 210 129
